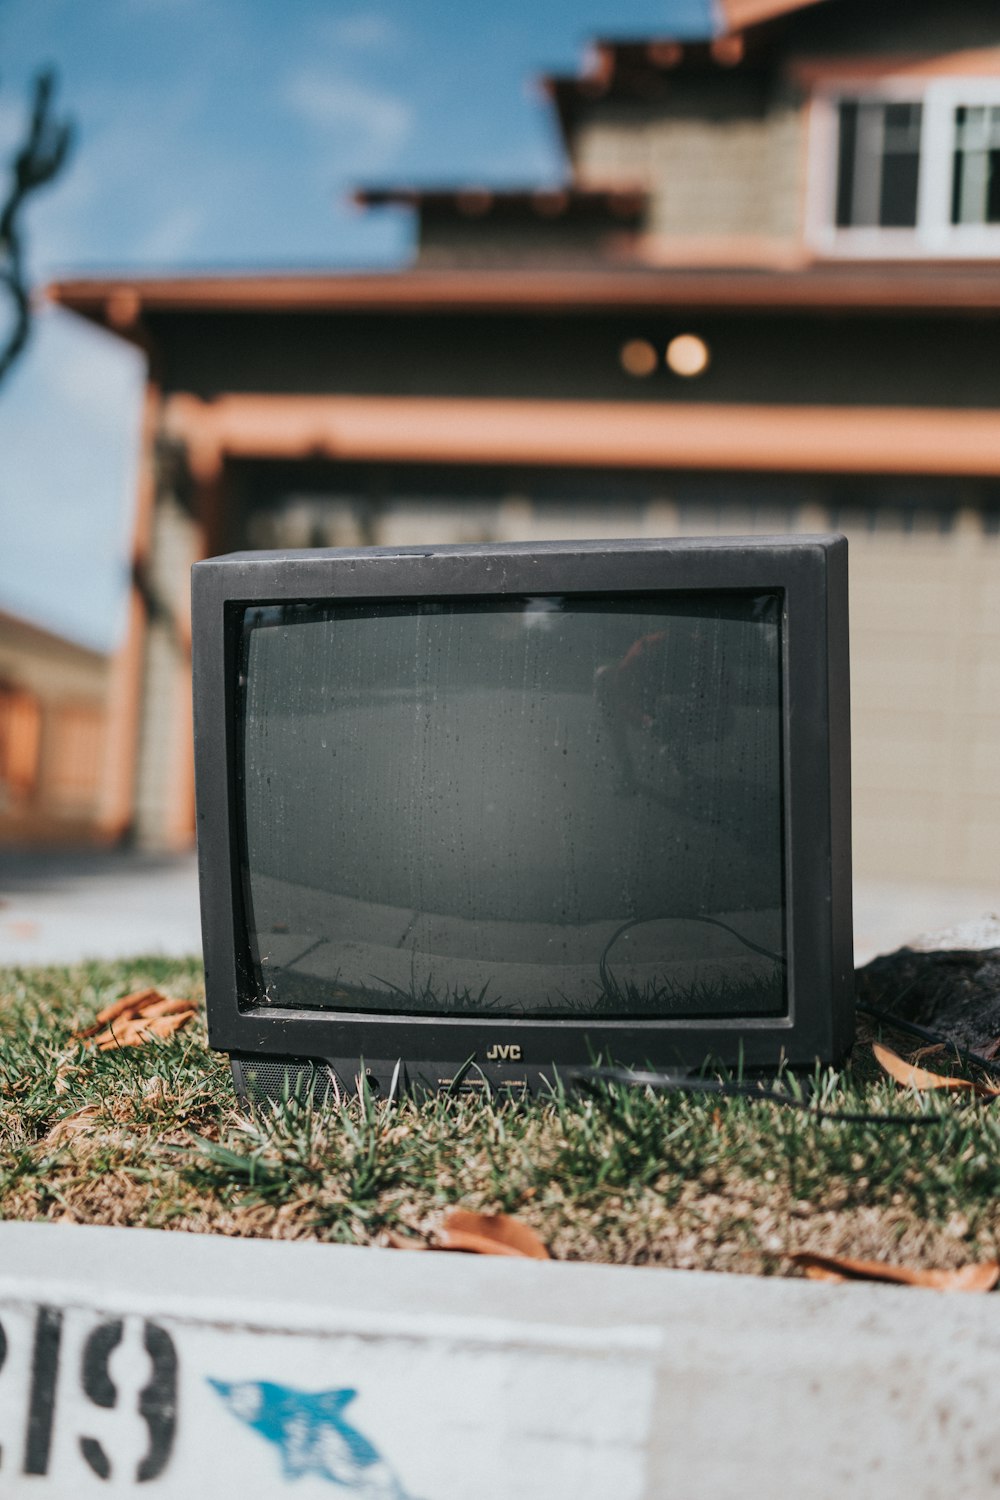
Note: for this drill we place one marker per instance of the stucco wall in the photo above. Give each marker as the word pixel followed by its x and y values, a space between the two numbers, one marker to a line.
pixel 926 700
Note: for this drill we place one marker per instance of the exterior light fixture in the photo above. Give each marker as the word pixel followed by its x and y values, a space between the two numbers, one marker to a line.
pixel 728 51
pixel 687 355
pixel 638 357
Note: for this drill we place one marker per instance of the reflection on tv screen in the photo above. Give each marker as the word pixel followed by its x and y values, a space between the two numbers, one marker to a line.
pixel 528 808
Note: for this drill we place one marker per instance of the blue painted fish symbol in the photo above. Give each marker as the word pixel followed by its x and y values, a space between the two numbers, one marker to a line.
pixel 312 1435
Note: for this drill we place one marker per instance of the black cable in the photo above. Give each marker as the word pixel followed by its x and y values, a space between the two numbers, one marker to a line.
pixel 670 1083
pixel 925 1034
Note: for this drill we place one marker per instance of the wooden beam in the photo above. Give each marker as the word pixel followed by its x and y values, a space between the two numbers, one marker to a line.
pixel 950 286
pixel 597 434
pixel 844 70
pixel 117 800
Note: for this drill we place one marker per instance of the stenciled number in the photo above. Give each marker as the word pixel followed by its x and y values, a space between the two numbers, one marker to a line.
pixel 42 1400
pixel 157 1401
pixel 99 1387
pixel 3 1359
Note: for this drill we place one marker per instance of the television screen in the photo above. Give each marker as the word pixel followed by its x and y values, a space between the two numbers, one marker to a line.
pixel 511 807
pixel 531 806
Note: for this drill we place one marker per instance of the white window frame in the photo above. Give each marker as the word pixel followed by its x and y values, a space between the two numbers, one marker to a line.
pixel 934 235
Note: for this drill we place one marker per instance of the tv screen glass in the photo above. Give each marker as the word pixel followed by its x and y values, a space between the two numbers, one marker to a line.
pixel 527 807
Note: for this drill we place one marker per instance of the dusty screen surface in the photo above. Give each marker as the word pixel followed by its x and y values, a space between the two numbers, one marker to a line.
pixel 533 807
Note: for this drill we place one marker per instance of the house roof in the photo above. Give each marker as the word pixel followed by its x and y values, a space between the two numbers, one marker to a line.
pixel 737 14
pixel 124 303
pixel 643 69
pixel 604 205
pixel 636 68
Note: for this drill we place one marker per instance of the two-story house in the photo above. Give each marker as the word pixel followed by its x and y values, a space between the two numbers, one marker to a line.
pixel 766 297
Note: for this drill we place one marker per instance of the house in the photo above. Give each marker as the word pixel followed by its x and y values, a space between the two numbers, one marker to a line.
pixel 52 736
pixel 765 298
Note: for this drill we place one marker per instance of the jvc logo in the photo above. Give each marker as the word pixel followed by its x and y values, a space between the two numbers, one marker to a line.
pixel 510 1052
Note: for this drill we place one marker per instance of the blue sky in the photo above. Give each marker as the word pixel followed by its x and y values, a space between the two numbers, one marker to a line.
pixel 227 133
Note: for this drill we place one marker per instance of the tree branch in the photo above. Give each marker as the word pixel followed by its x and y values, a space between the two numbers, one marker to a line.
pixel 37 162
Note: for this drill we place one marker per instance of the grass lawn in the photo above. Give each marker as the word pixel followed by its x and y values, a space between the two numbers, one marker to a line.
pixel 150 1136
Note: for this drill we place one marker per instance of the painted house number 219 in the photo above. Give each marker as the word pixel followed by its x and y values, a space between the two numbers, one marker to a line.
pixel 155 1404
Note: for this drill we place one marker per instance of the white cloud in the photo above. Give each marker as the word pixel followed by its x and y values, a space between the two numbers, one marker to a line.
pixel 366 125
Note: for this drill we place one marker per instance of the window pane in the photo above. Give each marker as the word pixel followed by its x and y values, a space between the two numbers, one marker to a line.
pixel 976 182
pixel 878 164
pixel 845 168
pixel 900 166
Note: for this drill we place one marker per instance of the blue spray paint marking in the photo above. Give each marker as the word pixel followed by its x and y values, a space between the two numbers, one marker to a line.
pixel 312 1435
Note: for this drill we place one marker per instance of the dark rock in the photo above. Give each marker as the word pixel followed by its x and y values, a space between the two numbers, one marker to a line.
pixel 956 992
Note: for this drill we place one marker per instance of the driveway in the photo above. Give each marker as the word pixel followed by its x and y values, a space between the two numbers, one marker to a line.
pixel 59 908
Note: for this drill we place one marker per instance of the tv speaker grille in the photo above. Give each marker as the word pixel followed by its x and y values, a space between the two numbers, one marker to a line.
pixel 260 1079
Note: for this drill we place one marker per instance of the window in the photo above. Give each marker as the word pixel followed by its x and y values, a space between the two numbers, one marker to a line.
pixel 907 168
pixel 74 759
pixel 20 738
pixel 879 164
pixel 975 194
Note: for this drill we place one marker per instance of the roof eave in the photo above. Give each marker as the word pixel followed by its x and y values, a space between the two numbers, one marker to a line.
pixel 123 304
pixel 739 15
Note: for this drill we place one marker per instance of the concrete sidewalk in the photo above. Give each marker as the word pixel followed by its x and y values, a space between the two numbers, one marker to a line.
pixel 58 907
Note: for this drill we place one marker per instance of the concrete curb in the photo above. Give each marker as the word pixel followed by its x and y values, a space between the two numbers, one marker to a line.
pixel 234 1368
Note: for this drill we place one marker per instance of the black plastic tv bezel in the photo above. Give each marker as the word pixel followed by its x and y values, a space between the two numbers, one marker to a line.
pixel 809 573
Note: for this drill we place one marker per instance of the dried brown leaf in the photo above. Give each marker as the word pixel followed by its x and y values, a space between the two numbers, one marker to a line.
pixel 489 1234
pixel 63 1073
pixel 396 1241
pixel 112 1026
pixel 919 1078
pixel 122 1033
pixel 121 1011
pixel 133 1031
pixel 169 1005
pixel 165 1026
pixel 87 1033
pixel 934 1050
pixel 78 1123
pixel 127 1005
pixel 980 1276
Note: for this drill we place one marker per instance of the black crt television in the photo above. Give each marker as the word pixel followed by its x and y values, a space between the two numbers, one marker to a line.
pixel 470 815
